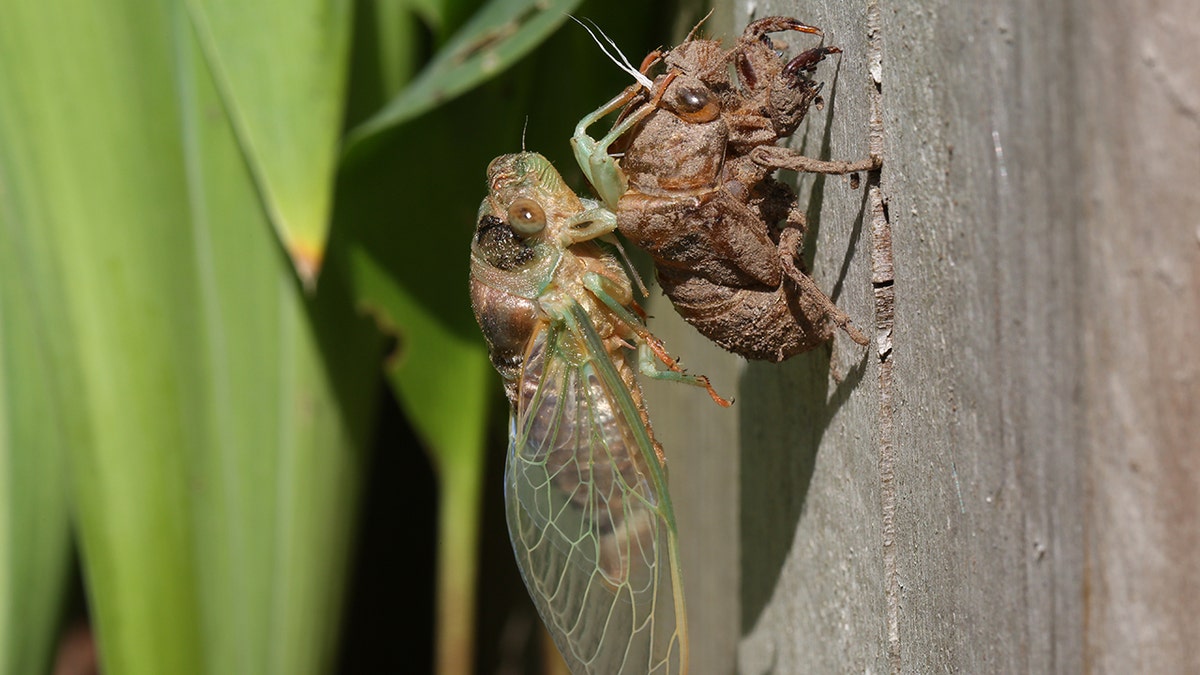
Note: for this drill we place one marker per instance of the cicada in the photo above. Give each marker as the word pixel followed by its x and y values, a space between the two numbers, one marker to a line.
pixel 688 168
pixel 588 510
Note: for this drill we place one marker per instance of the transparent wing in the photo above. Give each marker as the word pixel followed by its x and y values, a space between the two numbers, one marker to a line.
pixel 588 511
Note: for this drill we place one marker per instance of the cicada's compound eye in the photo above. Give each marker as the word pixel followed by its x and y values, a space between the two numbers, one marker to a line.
pixel 694 104
pixel 526 216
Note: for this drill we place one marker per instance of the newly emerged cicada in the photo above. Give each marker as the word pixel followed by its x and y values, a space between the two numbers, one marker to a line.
pixel 688 169
pixel 586 496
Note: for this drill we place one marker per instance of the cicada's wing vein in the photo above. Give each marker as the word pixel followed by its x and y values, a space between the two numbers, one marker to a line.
pixel 589 516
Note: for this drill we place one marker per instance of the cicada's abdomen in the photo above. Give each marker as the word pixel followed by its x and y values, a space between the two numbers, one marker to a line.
pixel 506 321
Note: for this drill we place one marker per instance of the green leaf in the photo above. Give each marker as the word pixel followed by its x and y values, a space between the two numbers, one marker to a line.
pixel 34 527
pixel 495 37
pixel 291 395
pixel 413 283
pixel 281 67
pixel 216 415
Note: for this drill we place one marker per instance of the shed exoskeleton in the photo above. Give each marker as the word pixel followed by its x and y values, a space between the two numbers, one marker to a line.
pixel 688 170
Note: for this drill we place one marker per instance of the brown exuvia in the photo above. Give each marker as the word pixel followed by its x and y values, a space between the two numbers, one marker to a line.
pixel 688 169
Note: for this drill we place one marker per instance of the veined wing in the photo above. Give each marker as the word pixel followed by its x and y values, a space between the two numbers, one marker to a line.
pixel 588 510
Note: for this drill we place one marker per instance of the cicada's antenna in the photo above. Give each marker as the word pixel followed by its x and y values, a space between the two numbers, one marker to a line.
pixel 523 128
pixel 622 63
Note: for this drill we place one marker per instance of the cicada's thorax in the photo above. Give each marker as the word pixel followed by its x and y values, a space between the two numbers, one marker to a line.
pixel 589 258
pixel 618 337
pixel 674 158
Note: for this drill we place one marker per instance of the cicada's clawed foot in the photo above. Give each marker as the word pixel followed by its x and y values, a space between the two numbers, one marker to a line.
pixel 675 372
pixel 790 242
pixel 774 157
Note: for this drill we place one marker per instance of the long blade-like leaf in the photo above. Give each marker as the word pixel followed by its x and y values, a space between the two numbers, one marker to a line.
pixel 216 415
pixel 495 37
pixel 281 65
pixel 34 529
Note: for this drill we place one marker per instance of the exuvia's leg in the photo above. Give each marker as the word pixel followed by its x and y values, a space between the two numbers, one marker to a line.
pixel 790 242
pixel 757 30
pixel 806 61
pixel 774 157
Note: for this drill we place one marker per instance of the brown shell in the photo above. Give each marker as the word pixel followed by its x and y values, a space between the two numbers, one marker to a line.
pixel 710 216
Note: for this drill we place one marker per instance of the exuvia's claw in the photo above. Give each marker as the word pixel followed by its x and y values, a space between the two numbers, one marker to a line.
pixel 775 24
pixel 806 62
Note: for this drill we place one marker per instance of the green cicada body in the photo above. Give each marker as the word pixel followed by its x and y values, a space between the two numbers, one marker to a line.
pixel 588 510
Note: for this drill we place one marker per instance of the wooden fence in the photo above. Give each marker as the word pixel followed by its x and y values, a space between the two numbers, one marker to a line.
pixel 1008 480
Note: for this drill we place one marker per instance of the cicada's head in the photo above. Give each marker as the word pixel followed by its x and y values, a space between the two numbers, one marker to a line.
pixel 530 218
pixel 704 60
pixel 517 231
pixel 528 195
pixel 527 220
pixel 520 235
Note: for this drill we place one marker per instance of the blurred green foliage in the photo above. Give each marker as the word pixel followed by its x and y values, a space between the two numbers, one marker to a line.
pixel 182 398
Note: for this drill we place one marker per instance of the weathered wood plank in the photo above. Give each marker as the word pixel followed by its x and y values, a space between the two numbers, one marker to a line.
pixel 811 531
pixel 1139 155
pixel 989 525
pixel 1015 485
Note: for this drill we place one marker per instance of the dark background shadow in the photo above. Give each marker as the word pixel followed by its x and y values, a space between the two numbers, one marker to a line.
pixel 784 412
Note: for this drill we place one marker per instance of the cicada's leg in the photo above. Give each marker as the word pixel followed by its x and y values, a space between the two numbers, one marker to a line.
pixel 600 223
pixel 774 157
pixel 601 169
pixel 590 224
pixel 651 353
pixel 651 350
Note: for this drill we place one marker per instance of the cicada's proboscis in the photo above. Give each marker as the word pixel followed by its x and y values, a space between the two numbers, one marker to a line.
pixel 588 510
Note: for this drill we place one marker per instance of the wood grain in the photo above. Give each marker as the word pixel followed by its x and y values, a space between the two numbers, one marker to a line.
pixel 1008 480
